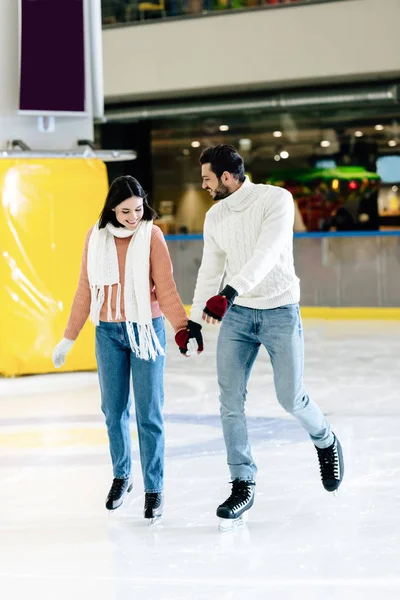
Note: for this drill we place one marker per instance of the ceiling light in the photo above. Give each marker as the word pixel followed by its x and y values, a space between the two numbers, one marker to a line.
pixel 392 143
pixel 358 133
pixel 284 154
pixel 379 127
pixel 224 127
pixel 277 134
pixel 186 152
pixel 277 157
pixel 245 144
pixel 196 144
pixel 325 144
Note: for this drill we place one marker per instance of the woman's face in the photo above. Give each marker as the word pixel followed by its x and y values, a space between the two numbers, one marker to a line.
pixel 130 212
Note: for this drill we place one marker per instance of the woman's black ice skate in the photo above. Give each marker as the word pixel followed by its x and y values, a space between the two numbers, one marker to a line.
pixel 232 512
pixel 331 466
pixel 153 506
pixel 119 488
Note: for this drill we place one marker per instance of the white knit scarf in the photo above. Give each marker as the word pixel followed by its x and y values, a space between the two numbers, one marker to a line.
pixel 103 271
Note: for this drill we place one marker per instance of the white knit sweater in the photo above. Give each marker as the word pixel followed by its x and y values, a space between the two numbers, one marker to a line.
pixel 248 238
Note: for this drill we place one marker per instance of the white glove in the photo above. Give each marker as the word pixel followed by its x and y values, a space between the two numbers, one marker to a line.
pixel 192 348
pixel 60 352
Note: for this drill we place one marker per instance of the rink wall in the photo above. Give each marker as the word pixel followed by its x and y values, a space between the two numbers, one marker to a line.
pixel 357 273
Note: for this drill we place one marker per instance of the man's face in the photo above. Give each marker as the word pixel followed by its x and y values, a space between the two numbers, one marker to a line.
pixel 213 185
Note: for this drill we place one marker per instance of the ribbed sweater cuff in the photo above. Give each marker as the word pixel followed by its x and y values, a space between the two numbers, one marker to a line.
pixel 238 284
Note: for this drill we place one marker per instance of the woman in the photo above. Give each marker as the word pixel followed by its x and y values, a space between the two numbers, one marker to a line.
pixel 127 306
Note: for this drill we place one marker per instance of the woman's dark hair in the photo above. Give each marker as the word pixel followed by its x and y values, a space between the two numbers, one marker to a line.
pixel 121 189
pixel 224 158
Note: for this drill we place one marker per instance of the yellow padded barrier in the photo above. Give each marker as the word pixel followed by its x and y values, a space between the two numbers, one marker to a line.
pixel 46 208
pixel 339 313
pixel 373 313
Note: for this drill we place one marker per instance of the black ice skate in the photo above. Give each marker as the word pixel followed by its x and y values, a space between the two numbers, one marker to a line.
pixel 119 488
pixel 232 512
pixel 331 466
pixel 153 506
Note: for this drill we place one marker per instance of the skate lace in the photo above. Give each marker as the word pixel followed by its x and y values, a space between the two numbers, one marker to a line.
pixel 328 462
pixel 152 500
pixel 116 488
pixel 240 495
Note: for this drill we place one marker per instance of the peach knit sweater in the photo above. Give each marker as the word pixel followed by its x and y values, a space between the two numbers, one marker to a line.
pixel 164 296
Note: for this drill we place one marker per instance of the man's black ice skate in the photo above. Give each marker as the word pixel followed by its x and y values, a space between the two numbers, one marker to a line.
pixel 233 511
pixel 331 466
pixel 153 506
pixel 119 488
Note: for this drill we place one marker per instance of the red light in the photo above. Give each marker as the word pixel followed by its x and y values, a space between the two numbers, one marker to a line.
pixel 353 185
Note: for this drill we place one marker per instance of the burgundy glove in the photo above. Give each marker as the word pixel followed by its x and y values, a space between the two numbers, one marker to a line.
pixel 193 330
pixel 217 306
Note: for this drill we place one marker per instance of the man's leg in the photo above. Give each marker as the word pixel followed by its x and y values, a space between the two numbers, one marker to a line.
pixel 236 352
pixel 280 331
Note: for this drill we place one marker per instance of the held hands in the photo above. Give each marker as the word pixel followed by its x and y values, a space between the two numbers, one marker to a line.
pixel 60 352
pixel 217 306
pixel 187 339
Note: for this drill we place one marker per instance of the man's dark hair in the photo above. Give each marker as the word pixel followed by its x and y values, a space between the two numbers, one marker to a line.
pixel 121 189
pixel 224 158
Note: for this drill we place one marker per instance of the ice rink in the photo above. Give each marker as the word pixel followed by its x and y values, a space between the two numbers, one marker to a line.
pixel 57 542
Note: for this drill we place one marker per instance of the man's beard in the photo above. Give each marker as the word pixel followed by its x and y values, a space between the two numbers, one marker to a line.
pixel 221 192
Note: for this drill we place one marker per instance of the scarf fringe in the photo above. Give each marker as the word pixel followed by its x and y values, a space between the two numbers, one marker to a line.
pixel 148 346
pixel 118 314
pixel 109 297
pixel 97 292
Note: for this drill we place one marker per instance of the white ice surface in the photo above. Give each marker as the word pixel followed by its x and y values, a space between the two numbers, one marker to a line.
pixel 58 542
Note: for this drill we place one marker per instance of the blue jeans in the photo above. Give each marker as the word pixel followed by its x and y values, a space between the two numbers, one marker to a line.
pixel 279 330
pixel 116 362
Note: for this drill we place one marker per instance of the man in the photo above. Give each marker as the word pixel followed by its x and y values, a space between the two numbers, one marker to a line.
pixel 248 240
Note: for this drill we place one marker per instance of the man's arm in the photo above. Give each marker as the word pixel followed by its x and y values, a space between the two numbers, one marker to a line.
pixel 276 233
pixel 210 273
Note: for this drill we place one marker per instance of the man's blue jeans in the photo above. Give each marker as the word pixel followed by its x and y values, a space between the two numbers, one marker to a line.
pixel 116 362
pixel 279 330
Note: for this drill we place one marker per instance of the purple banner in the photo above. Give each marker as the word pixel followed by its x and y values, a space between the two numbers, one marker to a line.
pixel 52 70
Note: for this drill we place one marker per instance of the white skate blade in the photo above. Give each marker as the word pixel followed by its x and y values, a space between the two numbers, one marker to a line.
pixel 155 521
pixel 229 524
pixel 336 493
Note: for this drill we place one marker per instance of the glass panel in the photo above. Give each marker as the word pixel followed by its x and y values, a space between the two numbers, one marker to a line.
pixel 326 158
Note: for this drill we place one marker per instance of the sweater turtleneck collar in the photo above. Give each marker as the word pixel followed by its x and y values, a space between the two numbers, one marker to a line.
pixel 241 199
